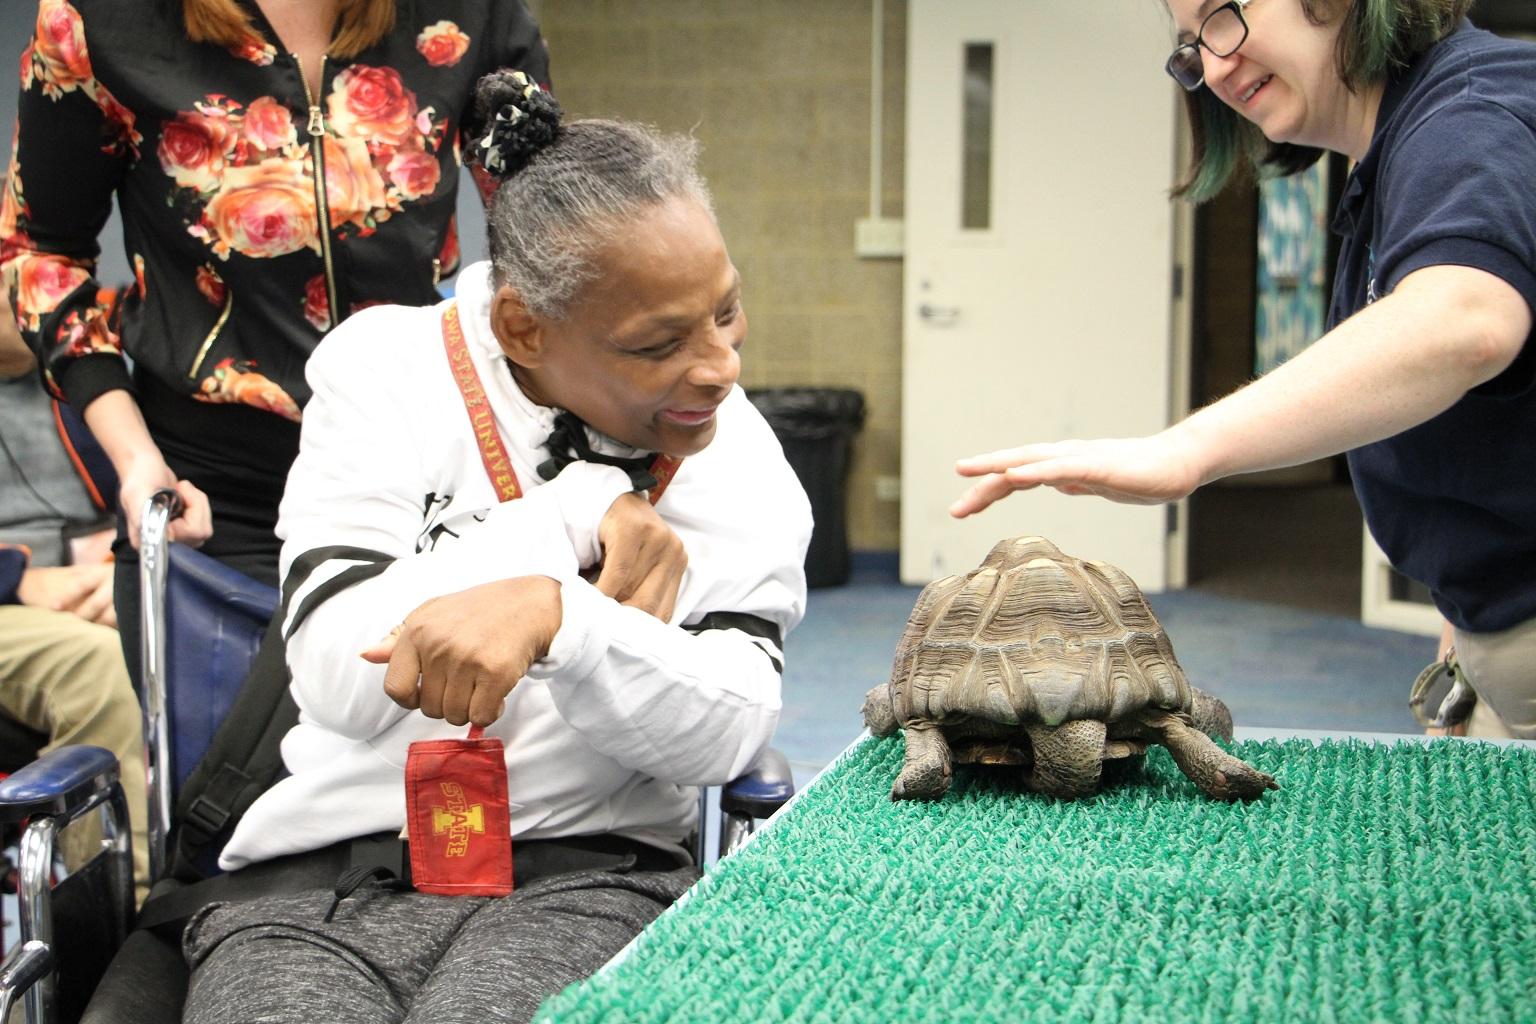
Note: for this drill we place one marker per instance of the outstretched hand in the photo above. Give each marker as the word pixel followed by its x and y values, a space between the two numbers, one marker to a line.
pixel 457 656
pixel 643 559
pixel 1137 471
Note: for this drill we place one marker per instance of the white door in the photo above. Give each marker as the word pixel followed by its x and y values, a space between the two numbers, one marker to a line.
pixel 1389 600
pixel 1040 149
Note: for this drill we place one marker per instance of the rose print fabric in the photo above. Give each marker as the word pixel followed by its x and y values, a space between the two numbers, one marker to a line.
pixel 239 382
pixel 246 171
pixel 250 208
pixel 442 44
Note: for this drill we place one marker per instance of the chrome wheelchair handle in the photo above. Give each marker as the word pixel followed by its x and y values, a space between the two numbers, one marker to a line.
pixel 26 966
pixel 154 541
pixel 38 843
pixel 155 518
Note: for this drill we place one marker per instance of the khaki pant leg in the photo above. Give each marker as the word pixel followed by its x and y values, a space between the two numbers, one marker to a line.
pixel 65 677
pixel 1501 667
pixel 1485 724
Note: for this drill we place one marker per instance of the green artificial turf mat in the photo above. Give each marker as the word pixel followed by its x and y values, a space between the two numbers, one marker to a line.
pixel 1378 884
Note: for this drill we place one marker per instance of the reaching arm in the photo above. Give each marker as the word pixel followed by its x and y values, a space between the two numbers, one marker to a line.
pixel 74 142
pixel 15 358
pixel 119 428
pixel 1399 362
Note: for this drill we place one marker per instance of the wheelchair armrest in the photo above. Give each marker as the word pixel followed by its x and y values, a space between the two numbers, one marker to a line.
pixel 766 787
pixel 59 783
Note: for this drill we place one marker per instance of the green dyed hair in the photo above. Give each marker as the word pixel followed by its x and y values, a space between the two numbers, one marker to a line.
pixel 1376 38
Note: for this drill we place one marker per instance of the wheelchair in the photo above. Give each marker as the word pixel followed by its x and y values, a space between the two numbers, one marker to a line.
pixel 202 626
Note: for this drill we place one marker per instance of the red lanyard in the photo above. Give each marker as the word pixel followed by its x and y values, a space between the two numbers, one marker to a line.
pixel 457 812
pixel 482 420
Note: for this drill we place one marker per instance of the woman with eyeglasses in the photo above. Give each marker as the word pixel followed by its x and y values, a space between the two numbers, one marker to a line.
pixel 1427 373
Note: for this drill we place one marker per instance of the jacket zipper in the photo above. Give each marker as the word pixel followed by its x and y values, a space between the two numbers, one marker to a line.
pixel 218 325
pixel 322 208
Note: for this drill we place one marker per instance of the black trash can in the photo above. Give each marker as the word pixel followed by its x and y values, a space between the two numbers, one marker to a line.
pixel 816 428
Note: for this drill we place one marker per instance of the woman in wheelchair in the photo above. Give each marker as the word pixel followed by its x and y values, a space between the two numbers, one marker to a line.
pixel 544 509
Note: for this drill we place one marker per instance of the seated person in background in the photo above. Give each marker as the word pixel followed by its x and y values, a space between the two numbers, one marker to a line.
pixel 61 667
pixel 472 488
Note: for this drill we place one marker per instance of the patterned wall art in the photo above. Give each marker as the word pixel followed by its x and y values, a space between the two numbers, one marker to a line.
pixel 1292 265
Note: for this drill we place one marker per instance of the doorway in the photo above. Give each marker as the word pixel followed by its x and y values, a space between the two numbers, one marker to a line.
pixel 1287 536
pixel 1036 278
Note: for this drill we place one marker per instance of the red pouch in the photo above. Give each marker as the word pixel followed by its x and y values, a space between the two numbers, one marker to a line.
pixel 456 816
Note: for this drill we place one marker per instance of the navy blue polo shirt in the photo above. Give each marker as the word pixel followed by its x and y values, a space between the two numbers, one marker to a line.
pixel 1450 178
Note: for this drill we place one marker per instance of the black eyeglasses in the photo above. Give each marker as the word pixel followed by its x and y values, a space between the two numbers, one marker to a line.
pixel 1222 32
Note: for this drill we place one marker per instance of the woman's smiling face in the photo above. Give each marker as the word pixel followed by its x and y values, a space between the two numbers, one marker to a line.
pixel 650 347
pixel 1283 77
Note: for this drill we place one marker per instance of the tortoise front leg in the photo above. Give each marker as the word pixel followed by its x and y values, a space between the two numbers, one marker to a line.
pixel 1068 758
pixel 1216 772
pixel 925 772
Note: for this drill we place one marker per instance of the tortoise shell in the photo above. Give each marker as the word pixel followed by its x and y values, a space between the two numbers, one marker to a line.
pixel 1034 636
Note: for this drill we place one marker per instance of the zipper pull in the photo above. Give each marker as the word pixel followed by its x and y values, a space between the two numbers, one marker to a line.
pixel 316 122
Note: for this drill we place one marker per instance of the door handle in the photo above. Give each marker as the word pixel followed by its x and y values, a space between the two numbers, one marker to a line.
pixel 938 315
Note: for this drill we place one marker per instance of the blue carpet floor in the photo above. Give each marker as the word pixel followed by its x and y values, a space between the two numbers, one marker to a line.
pixel 1274 666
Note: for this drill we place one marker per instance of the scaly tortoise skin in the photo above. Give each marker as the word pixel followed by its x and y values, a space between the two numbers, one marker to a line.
pixel 1052 663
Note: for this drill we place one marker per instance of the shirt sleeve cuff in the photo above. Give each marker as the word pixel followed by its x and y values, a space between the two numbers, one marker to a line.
pixel 585 492
pixel 1475 253
pixel 88 378
pixel 582 639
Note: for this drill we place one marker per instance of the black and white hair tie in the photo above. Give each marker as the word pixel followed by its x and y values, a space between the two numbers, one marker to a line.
pixel 523 119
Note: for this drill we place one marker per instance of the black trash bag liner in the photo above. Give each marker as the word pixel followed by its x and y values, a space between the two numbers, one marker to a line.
pixel 816 426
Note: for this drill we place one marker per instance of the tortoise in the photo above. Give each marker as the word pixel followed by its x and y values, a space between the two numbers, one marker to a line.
pixel 1054 664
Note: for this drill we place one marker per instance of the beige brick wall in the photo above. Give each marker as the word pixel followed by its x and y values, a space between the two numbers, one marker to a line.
pixel 778 92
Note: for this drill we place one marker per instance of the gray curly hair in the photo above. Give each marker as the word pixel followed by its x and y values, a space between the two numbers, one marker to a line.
pixel 550 217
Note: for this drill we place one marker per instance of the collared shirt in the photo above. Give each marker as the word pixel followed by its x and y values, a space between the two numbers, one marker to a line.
pixel 1450 179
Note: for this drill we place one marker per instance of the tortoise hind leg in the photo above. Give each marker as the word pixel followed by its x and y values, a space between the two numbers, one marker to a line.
pixel 926 771
pixel 1068 758
pixel 878 714
pixel 1210 715
pixel 1216 772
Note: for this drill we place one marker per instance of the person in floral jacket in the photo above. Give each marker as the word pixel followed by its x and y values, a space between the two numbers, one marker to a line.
pixel 278 166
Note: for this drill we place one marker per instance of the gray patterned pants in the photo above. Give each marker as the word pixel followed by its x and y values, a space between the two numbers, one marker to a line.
pixel 408 957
